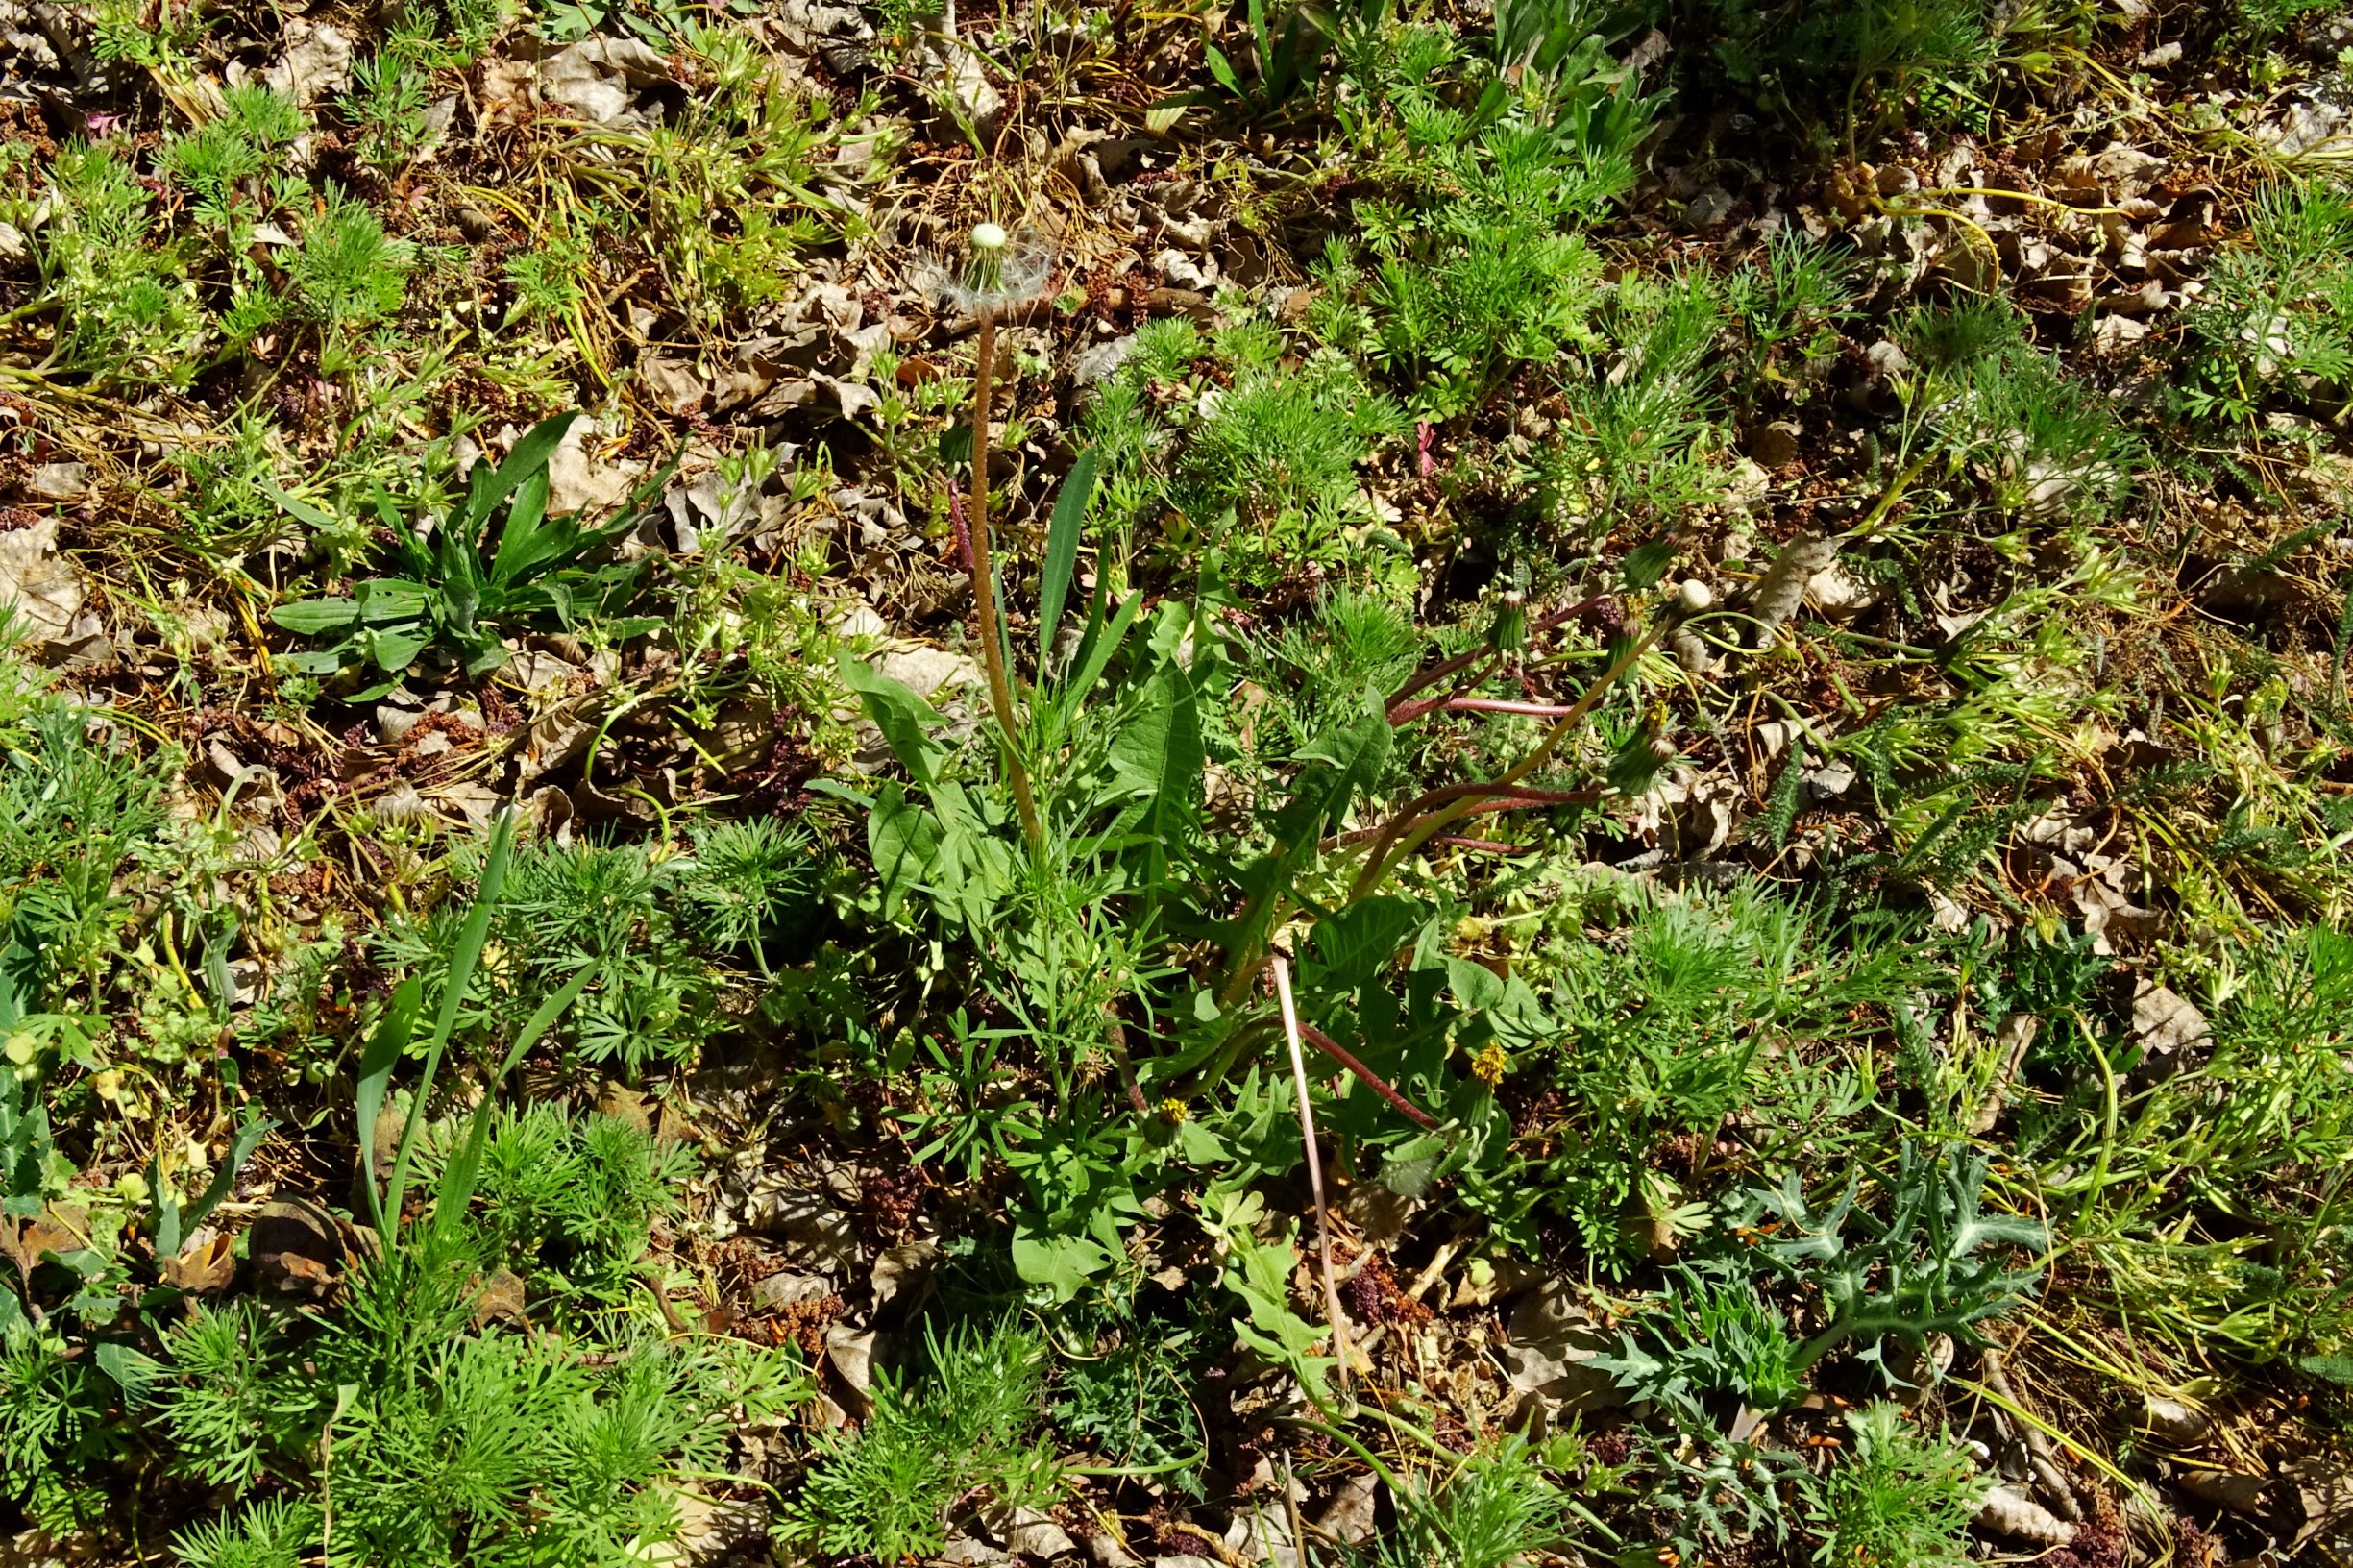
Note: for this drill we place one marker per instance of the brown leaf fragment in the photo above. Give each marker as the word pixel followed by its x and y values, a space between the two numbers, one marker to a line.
pixel 206 1263
pixel 2239 1494
pixel 501 1300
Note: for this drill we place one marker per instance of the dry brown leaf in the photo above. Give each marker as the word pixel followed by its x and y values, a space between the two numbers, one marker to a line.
pixel 206 1263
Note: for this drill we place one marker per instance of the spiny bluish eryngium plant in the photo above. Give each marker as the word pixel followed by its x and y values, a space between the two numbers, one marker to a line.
pixel 1131 1397
pixel 1902 1498
pixel 941 1446
pixel 1704 1496
pixel 613 915
pixel 2276 316
pixel 1934 1261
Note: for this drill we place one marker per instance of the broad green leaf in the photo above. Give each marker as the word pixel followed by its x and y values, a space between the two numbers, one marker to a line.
pixel 134 1371
pixel 383 601
pixel 1159 748
pixel 321 662
pixel 1223 70
pixel 1065 1264
pixel 1476 987
pixel 903 841
pixel 313 616
pixel 901 715
pixel 1340 765
pixel 1358 942
pixel 487 656
pixel 1158 752
pixel 393 651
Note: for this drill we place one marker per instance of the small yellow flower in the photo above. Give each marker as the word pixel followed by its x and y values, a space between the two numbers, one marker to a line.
pixel 108 1085
pixel 1173 1112
pixel 1488 1065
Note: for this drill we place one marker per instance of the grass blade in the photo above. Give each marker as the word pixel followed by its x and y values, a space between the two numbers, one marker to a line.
pixel 386 1048
pixel 1061 550
pixel 462 962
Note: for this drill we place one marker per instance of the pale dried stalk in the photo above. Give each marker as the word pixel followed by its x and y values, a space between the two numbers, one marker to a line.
pixel 1315 1166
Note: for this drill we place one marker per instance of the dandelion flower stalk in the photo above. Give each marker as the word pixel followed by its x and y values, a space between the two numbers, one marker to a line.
pixel 989 249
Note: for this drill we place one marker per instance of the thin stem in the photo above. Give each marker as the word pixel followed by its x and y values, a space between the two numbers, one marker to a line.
pixel 1492 704
pixel 984 585
pixel 1400 698
pixel 1316 1168
pixel 1407 831
pixel 1370 1079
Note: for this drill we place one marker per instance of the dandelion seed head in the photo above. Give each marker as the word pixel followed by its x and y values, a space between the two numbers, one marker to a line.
pixel 1004 269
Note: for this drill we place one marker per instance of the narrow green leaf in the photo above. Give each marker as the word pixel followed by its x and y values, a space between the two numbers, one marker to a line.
pixel 384 1050
pixel 1094 653
pixel 1061 550
pixel 471 938
pixel 301 510
pixel 529 539
pixel 530 456
pixel 544 1020
pixel 241 1148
